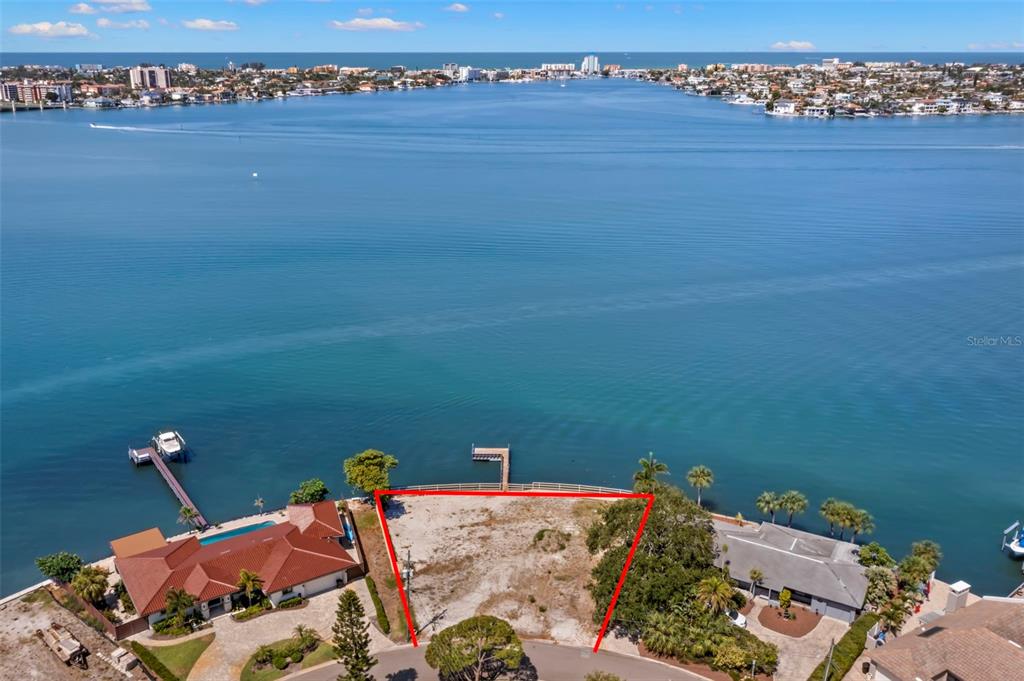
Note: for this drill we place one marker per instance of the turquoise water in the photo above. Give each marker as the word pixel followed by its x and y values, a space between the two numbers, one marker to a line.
pixel 588 273
pixel 221 536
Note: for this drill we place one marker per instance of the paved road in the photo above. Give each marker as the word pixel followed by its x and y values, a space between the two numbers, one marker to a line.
pixel 545 662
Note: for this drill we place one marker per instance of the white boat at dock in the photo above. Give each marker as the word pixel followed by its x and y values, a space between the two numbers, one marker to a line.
pixel 169 444
pixel 1013 540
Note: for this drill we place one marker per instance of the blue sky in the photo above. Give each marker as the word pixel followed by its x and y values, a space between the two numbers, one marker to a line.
pixel 519 25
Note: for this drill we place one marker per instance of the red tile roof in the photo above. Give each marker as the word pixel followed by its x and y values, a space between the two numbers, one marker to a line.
pixel 283 555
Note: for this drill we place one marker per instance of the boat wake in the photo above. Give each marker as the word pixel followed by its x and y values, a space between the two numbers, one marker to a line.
pixel 457 320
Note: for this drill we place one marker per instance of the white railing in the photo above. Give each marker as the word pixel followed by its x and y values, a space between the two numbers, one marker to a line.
pixel 516 487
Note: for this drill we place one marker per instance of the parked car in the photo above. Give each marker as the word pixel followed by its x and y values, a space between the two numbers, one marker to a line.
pixel 737 618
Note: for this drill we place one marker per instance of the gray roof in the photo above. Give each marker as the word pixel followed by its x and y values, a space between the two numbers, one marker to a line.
pixel 800 561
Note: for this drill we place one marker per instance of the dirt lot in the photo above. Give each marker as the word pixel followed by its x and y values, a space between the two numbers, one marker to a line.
pixel 521 559
pixel 24 656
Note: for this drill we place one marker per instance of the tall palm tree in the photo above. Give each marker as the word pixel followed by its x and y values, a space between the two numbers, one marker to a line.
pixel 715 592
pixel 177 603
pixel 755 578
pixel 928 550
pixel 700 477
pixel 768 503
pixel 830 512
pixel 91 583
pixel 861 522
pixel 792 502
pixel 646 479
pixel 250 583
pixel 187 516
pixel 258 503
pixel 845 512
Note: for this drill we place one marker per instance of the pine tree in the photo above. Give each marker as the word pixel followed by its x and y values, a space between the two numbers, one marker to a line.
pixel 351 640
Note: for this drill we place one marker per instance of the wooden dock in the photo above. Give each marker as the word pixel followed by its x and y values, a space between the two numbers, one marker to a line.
pixel 178 490
pixel 501 454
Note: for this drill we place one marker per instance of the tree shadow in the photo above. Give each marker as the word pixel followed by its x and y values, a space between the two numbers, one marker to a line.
pixel 395 508
pixel 526 671
pixel 409 674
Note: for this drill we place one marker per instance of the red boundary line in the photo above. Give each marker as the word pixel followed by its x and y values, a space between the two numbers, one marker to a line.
pixel 480 493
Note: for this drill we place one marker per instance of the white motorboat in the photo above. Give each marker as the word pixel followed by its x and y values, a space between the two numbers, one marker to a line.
pixel 1013 540
pixel 169 443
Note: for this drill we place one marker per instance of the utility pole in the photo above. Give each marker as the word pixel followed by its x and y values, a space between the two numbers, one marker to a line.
pixel 407 572
pixel 828 664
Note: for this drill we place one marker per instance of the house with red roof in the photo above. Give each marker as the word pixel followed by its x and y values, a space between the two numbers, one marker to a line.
pixel 300 556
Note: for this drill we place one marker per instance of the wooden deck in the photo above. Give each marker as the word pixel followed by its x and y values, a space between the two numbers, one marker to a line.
pixel 501 454
pixel 178 490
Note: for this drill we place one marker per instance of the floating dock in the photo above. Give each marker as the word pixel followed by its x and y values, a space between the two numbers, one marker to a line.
pixel 501 454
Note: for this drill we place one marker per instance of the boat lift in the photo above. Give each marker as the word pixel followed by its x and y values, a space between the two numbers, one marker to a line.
pixel 1013 540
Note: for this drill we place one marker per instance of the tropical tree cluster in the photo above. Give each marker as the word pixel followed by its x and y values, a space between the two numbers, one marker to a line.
pixel 791 503
pixel 894 589
pixel 60 567
pixel 846 516
pixel 675 597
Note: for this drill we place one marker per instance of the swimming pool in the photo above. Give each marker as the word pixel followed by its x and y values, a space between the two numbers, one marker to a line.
pixel 235 532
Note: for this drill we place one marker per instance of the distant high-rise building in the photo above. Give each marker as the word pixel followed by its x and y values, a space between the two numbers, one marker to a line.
pixel 451 70
pixel 190 69
pixel 150 77
pixel 591 65
pixel 88 68
pixel 468 73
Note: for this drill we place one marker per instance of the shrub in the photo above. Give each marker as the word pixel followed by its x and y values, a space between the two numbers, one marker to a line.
pixel 264 654
pixel 280 662
pixel 389 582
pixel 151 661
pixel 60 567
pixel 296 657
pixel 293 602
pixel 785 599
pixel 382 616
pixel 94 623
pixel 601 676
pixel 849 648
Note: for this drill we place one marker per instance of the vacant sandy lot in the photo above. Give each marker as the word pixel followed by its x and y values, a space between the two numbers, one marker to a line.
pixel 523 559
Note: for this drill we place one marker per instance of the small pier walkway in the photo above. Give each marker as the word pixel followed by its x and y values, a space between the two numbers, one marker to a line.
pixel 501 454
pixel 179 491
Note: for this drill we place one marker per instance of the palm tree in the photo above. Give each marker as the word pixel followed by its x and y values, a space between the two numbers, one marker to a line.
pixel 91 583
pixel 189 517
pixel 177 603
pixel 715 592
pixel 861 522
pixel 768 503
pixel 646 479
pixel 307 636
pixel 663 634
pixel 755 578
pixel 258 503
pixel 250 583
pixel 830 512
pixel 845 512
pixel 792 502
pixel 700 477
pixel 928 550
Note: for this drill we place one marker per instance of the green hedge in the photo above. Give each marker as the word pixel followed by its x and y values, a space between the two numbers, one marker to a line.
pixel 292 602
pixel 382 615
pixel 151 661
pixel 849 648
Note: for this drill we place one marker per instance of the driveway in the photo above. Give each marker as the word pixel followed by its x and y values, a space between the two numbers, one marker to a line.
pixel 797 656
pixel 545 662
pixel 236 641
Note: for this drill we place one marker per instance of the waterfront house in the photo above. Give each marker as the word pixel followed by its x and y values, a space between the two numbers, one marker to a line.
pixel 784 107
pixel 820 572
pixel 979 642
pixel 300 556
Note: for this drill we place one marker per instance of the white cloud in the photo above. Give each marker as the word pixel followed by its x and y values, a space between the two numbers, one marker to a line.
pixel 210 25
pixel 104 22
pixel 457 7
pixel 499 15
pixel 364 11
pixel 1015 45
pixel 82 8
pixel 45 29
pixel 378 24
pixel 793 45
pixel 123 6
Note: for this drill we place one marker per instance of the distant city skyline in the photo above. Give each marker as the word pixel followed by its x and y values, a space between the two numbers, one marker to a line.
pixel 516 26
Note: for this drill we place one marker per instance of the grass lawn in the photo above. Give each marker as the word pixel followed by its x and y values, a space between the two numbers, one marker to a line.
pixel 181 657
pixel 323 653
